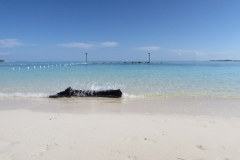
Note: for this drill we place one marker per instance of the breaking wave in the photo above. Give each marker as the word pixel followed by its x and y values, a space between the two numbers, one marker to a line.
pixel 24 95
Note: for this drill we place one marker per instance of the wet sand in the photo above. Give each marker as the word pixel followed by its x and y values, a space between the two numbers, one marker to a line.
pixel 35 128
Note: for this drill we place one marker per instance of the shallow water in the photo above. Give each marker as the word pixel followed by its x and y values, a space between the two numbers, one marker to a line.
pixel 136 80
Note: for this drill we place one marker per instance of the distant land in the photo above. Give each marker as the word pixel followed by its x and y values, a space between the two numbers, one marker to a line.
pixel 1 60
pixel 225 60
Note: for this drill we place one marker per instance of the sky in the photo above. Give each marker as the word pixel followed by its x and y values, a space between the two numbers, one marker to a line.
pixel 119 30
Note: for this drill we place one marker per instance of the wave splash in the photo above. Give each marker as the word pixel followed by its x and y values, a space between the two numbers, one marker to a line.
pixel 24 95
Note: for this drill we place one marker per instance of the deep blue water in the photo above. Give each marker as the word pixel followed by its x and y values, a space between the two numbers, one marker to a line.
pixel 158 79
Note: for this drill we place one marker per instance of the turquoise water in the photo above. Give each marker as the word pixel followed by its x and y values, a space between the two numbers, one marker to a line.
pixel 140 80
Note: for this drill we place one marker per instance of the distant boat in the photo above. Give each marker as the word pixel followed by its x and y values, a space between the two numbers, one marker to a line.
pixel 1 60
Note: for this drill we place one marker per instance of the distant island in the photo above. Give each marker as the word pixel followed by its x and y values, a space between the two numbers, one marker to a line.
pixel 1 60
pixel 225 60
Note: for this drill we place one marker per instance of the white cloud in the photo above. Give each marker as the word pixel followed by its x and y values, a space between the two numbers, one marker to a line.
pixel 200 53
pixel 178 54
pixel 149 48
pixel 222 52
pixel 89 45
pixel 182 51
pixel 108 44
pixel 78 45
pixel 6 43
pixel 2 54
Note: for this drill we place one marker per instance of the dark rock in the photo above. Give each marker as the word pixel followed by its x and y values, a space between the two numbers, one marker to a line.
pixel 69 92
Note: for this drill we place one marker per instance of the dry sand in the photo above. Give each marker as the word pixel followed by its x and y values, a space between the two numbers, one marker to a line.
pixel 43 129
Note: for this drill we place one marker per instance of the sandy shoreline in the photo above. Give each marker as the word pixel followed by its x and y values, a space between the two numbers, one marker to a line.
pixel 30 132
pixel 202 107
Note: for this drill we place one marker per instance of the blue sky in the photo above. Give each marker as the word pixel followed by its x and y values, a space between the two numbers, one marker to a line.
pixel 171 30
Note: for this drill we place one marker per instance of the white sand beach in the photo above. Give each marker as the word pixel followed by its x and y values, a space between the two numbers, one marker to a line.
pixel 97 129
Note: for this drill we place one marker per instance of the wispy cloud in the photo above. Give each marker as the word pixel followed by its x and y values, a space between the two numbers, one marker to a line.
pixel 222 52
pixel 7 43
pixel 180 52
pixel 184 51
pixel 108 44
pixel 4 53
pixel 89 45
pixel 149 48
pixel 78 45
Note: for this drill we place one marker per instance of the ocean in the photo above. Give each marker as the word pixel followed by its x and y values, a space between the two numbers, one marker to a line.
pixel 192 79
